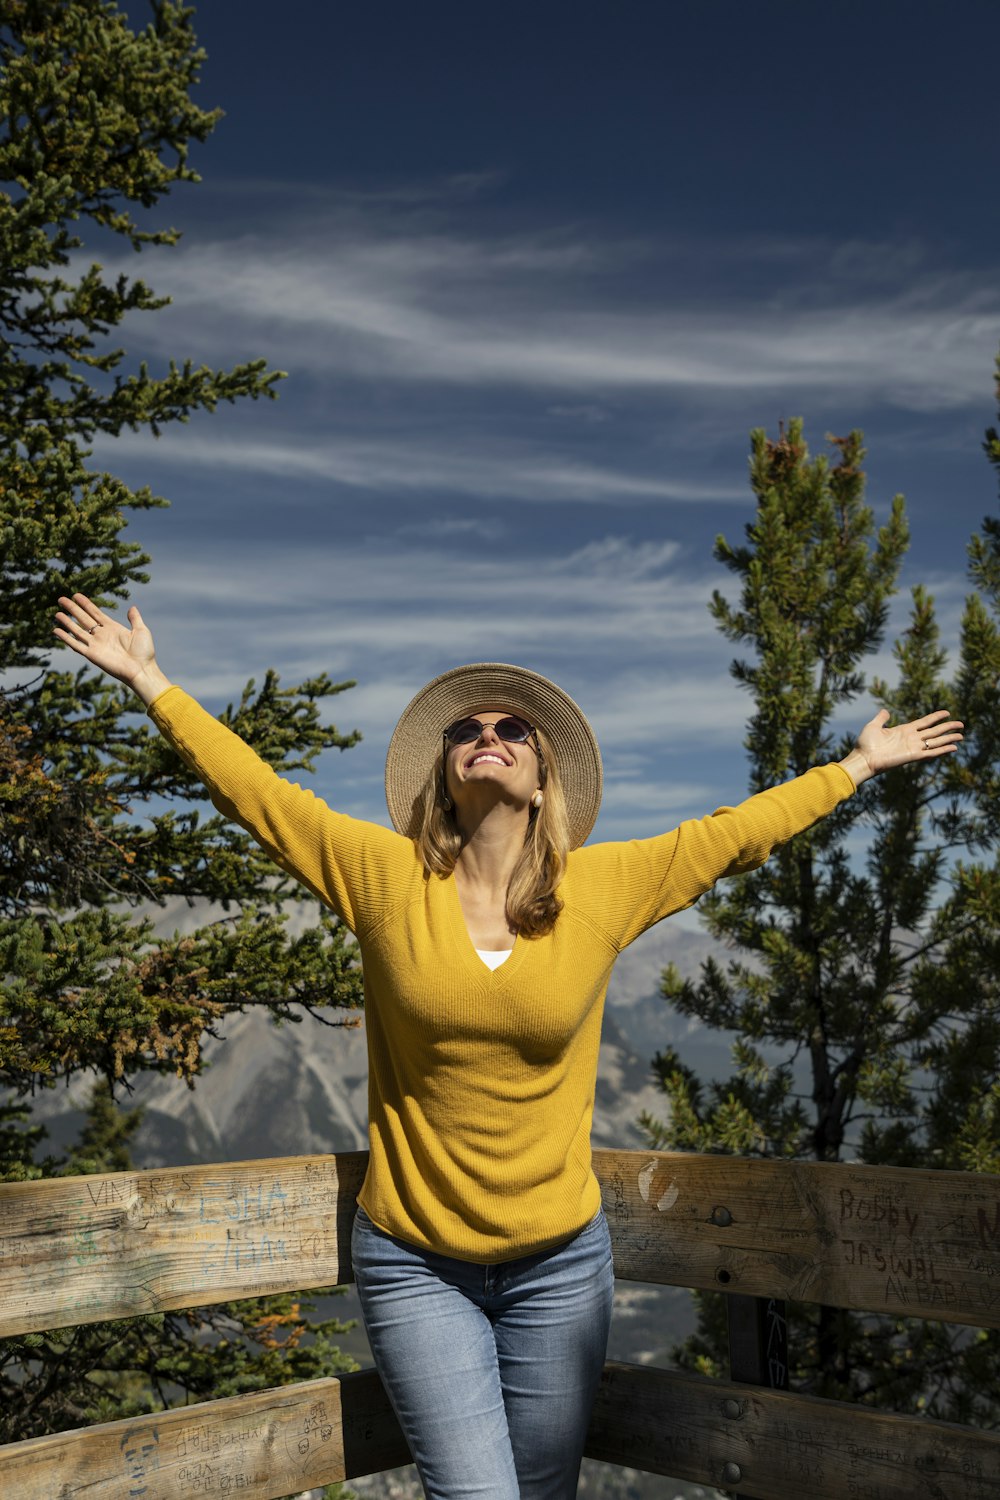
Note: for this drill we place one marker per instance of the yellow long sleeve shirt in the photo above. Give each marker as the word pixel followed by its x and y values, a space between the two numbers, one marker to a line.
pixel 481 1082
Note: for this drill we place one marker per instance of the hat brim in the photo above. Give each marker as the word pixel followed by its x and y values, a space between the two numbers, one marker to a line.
pixel 416 740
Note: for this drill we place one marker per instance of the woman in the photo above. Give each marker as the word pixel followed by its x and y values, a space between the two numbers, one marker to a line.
pixel 488 934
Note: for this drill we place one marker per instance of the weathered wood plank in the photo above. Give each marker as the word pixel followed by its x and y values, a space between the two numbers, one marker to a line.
pixel 924 1244
pixel 86 1249
pixel 274 1443
pixel 880 1239
pixel 778 1446
pixel 266 1444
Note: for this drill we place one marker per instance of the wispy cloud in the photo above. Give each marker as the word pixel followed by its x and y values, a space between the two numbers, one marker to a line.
pixel 378 292
pixel 386 597
pixel 417 464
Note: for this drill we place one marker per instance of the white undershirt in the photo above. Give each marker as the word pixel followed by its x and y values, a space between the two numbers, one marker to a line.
pixel 493 957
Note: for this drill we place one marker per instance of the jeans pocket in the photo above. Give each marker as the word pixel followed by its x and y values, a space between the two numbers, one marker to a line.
pixel 363 1238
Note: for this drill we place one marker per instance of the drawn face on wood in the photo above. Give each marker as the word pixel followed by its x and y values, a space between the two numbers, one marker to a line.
pixel 139 1450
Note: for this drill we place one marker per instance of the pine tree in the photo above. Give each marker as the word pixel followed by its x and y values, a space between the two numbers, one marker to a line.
pixel 834 998
pixel 96 121
pixel 964 1061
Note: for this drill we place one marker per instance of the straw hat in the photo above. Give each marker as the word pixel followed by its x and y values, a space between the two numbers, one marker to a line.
pixel 416 740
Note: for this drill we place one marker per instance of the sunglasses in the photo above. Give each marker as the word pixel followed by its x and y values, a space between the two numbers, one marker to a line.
pixel 510 729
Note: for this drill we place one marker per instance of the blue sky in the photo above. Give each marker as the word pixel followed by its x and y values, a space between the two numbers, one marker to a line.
pixel 535 272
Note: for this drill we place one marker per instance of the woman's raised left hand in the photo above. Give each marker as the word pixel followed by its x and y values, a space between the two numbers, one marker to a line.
pixel 882 745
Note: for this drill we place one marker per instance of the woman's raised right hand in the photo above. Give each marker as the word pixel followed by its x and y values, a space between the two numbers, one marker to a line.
pixel 123 651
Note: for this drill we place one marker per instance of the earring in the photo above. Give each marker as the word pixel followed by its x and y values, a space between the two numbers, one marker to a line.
pixel 446 801
pixel 536 799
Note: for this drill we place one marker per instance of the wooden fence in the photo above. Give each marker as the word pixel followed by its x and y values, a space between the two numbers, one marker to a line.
pixel 902 1242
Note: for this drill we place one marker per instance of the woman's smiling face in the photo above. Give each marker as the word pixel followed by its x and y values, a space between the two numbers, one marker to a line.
pixel 489 760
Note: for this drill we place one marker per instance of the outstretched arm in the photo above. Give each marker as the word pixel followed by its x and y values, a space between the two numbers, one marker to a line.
pixel 881 746
pixel 123 651
pixel 632 885
pixel 355 867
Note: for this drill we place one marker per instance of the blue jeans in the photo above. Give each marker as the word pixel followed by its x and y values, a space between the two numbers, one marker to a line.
pixel 491 1370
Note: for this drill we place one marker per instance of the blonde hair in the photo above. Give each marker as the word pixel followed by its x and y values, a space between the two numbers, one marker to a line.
pixel 532 903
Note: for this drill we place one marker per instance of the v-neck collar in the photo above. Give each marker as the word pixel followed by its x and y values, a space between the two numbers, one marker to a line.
pixel 464 946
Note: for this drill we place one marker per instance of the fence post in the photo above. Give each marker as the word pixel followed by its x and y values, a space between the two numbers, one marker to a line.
pixel 758 1346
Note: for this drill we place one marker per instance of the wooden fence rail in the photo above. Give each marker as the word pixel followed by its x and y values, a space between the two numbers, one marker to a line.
pixel 913 1243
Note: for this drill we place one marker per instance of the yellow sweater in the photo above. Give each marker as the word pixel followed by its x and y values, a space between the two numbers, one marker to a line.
pixel 481 1082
